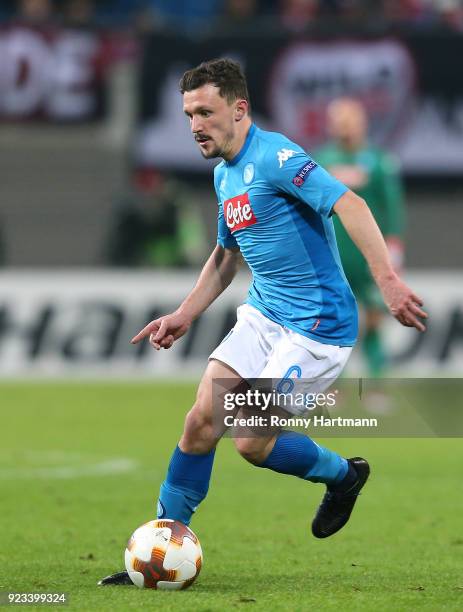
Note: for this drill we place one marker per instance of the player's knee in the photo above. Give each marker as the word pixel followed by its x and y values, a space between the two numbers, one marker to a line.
pixel 198 433
pixel 250 449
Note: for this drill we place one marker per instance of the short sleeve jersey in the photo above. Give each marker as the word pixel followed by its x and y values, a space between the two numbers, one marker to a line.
pixel 275 203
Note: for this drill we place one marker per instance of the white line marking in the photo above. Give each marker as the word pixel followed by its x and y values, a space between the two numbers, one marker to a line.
pixel 117 465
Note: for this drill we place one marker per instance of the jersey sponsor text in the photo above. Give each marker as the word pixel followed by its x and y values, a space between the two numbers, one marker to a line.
pixel 238 213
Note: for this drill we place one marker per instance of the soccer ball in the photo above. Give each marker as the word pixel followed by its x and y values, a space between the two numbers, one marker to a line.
pixel 163 554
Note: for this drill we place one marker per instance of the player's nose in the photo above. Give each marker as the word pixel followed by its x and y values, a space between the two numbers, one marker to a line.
pixel 196 125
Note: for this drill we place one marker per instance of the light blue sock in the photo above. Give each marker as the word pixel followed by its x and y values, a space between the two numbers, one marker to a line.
pixel 298 455
pixel 185 486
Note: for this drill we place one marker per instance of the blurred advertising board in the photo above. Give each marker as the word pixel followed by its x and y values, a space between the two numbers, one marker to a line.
pixel 407 83
pixel 55 75
pixel 72 324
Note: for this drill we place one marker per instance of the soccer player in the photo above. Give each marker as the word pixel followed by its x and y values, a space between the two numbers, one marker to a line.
pixel 274 206
pixel 373 175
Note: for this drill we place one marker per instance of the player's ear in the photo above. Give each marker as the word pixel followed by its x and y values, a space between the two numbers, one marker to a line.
pixel 241 108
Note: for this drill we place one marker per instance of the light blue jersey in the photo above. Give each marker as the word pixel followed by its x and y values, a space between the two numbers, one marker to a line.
pixel 275 204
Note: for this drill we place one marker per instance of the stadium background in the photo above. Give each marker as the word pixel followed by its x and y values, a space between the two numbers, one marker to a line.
pixel 91 130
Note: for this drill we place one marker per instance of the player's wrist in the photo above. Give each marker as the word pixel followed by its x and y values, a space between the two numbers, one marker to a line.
pixel 385 276
pixel 396 251
pixel 186 313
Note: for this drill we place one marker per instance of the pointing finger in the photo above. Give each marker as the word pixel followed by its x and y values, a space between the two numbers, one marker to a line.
pixel 159 335
pixel 153 343
pixel 148 329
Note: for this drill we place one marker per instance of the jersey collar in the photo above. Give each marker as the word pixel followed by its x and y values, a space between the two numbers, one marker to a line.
pixel 244 148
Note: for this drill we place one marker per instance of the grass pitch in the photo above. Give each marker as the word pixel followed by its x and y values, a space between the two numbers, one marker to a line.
pixel 80 470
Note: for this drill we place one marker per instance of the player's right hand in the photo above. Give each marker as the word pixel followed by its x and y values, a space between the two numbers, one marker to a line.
pixel 164 331
pixel 403 304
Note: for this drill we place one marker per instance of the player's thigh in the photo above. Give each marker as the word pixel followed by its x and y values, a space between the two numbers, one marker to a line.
pixel 301 366
pixel 248 346
pixel 201 431
pixel 239 357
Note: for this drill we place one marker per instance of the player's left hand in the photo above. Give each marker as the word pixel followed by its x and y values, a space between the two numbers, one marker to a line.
pixel 403 304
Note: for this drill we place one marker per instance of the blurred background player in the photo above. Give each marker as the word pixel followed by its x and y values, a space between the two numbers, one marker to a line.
pixel 373 175
pixel 156 223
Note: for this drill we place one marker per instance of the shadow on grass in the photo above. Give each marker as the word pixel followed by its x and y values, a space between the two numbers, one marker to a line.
pixel 257 583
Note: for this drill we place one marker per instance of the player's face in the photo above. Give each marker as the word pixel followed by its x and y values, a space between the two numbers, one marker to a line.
pixel 347 122
pixel 212 120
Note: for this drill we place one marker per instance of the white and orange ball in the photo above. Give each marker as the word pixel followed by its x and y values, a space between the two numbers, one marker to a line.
pixel 163 554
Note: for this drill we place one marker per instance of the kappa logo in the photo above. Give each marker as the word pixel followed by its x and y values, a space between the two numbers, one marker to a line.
pixel 304 172
pixel 238 213
pixel 284 155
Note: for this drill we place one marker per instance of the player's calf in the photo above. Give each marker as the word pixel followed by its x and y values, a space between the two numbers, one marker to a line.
pixel 293 453
pixel 190 467
pixel 198 434
pixel 254 450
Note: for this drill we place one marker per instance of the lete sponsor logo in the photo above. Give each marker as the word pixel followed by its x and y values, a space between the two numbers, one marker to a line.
pixel 238 213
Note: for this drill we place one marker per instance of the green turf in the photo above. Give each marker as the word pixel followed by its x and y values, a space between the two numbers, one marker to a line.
pixel 62 529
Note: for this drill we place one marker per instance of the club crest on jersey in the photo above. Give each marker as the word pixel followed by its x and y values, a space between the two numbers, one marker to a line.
pixel 304 172
pixel 248 173
pixel 238 213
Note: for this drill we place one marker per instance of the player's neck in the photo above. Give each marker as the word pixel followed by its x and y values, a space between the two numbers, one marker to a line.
pixel 239 139
pixel 351 146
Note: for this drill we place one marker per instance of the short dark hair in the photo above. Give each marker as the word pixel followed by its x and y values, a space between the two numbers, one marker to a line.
pixel 225 74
